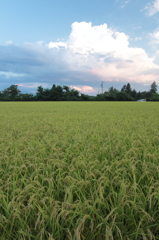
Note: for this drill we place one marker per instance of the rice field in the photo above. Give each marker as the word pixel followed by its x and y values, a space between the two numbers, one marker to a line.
pixel 79 171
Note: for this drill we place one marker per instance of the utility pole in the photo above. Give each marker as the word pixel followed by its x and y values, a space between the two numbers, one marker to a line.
pixel 102 87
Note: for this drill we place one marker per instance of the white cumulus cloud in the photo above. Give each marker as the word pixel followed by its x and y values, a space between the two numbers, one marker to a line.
pixel 88 39
pixel 90 55
pixel 105 52
pixel 57 45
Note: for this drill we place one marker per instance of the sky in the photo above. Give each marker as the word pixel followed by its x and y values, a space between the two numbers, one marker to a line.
pixel 79 43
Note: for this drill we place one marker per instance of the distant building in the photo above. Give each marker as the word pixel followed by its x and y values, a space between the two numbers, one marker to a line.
pixel 141 100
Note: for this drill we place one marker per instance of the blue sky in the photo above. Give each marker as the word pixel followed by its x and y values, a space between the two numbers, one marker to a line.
pixel 79 44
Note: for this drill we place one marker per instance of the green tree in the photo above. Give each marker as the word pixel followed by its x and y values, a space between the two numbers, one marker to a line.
pixel 134 94
pixel 123 96
pixel 1 95
pixel 56 93
pixel 84 97
pixel 154 97
pixel 67 93
pixel 12 92
pixel 25 97
pixel 74 94
pixel 153 88
pixel 59 93
pixel 112 90
pixel 40 93
pixel 128 88
pixel 123 88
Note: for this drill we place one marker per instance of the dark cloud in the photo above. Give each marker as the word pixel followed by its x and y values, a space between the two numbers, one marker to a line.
pixel 32 65
pixel 39 64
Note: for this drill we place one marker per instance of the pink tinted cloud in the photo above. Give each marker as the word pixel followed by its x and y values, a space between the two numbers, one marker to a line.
pixel 85 89
pixel 24 85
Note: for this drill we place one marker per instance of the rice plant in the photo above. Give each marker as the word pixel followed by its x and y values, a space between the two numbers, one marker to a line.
pixel 79 171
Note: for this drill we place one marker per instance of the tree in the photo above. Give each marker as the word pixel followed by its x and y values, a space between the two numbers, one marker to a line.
pixel 112 90
pixel 66 88
pixel 1 95
pixel 128 88
pixel 134 94
pixel 153 88
pixel 12 92
pixel 123 88
pixel 46 94
pixel 59 93
pixel 40 93
pixel 154 97
pixel 67 93
pixel 25 97
pixel 123 96
pixel 84 97
pixel 74 94
pixel 138 96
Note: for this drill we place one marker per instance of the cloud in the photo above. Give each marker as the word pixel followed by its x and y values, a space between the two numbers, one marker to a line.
pixel 84 89
pixel 90 55
pixel 154 42
pixel 155 37
pixel 57 45
pixel 152 8
pixel 138 27
pixel 125 3
pixel 87 39
pixel 10 74
pixel 105 53
pixel 32 85
pixel 138 39
pixel 8 42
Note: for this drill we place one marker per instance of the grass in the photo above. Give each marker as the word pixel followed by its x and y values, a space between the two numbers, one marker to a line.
pixel 79 171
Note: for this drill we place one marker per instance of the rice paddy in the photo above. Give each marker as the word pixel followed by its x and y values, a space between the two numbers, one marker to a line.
pixel 79 171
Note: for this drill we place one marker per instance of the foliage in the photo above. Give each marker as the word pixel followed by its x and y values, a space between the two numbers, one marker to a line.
pixel 113 90
pixel 10 93
pixel 126 88
pixel 79 171
pixel 153 87
pixel 65 93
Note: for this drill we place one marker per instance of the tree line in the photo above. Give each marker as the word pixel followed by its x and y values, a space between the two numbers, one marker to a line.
pixel 128 94
pixel 65 93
